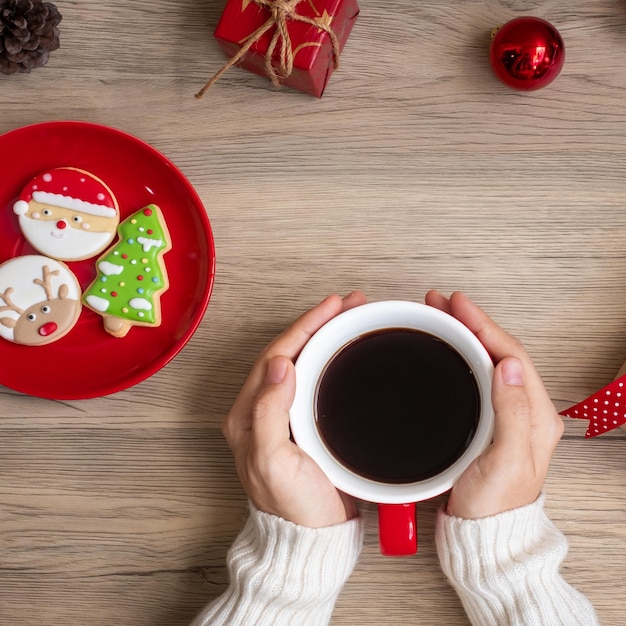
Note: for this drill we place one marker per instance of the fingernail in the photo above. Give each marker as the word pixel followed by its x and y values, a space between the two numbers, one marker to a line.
pixel 513 372
pixel 276 370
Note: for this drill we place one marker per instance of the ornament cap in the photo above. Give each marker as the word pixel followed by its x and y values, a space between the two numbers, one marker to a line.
pixel 495 29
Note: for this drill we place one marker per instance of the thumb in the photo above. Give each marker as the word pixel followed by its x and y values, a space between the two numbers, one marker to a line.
pixel 270 414
pixel 511 406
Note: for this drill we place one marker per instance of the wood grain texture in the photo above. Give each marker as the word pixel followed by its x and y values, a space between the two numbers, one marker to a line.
pixel 417 169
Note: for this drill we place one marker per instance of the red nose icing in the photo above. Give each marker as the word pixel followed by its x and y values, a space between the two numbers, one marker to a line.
pixel 61 225
pixel 47 329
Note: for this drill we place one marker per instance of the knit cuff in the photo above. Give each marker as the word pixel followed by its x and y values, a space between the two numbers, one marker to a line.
pixel 282 573
pixel 505 569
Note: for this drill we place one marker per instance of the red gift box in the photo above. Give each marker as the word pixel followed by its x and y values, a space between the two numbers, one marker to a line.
pixel 312 48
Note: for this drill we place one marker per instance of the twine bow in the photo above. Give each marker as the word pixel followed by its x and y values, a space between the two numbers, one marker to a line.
pixel 605 409
pixel 280 12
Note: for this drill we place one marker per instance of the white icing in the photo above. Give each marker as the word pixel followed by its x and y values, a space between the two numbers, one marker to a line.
pixel 74 204
pixel 148 243
pixel 20 272
pixel 75 244
pixel 20 207
pixel 110 269
pixel 140 304
pixel 97 303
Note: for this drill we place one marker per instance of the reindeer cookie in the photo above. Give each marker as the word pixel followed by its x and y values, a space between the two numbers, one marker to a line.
pixel 67 214
pixel 39 300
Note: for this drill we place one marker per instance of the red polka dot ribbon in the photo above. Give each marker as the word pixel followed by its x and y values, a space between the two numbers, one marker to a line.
pixel 605 409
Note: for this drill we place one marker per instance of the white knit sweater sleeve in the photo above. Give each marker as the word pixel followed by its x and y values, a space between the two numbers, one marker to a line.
pixel 284 574
pixel 505 569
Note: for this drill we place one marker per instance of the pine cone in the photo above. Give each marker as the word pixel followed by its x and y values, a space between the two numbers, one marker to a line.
pixel 28 33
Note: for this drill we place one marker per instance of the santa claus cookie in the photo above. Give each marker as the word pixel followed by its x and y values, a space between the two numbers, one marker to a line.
pixel 132 274
pixel 67 214
pixel 39 300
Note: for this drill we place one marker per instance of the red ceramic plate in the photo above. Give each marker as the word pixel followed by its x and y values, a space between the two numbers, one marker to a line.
pixel 88 362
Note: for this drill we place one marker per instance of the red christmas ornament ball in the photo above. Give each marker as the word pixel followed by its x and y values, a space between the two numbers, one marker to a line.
pixel 527 53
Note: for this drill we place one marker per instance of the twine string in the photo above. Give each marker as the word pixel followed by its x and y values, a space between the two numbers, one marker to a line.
pixel 280 12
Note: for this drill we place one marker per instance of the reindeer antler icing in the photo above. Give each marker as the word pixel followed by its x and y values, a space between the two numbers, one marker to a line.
pixel 45 283
pixel 10 306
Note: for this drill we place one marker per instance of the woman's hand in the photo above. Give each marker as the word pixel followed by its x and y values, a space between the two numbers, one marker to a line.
pixel 512 470
pixel 278 477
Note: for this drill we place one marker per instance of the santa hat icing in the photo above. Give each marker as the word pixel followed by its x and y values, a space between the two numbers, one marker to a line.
pixel 69 188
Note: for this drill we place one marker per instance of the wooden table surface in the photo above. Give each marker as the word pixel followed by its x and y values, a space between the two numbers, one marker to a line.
pixel 416 169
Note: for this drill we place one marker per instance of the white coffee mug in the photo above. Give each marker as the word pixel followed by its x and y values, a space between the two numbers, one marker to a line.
pixel 396 501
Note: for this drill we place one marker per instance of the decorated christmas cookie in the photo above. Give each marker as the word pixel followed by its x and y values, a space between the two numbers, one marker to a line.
pixel 67 214
pixel 132 275
pixel 39 300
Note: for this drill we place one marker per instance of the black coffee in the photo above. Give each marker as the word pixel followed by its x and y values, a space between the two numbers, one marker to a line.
pixel 397 405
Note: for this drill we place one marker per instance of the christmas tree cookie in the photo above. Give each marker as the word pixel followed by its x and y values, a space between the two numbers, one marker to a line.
pixel 132 275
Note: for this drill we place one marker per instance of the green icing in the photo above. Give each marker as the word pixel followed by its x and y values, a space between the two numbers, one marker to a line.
pixel 132 272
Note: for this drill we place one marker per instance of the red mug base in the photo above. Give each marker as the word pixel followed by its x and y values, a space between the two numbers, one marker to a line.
pixel 397 529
